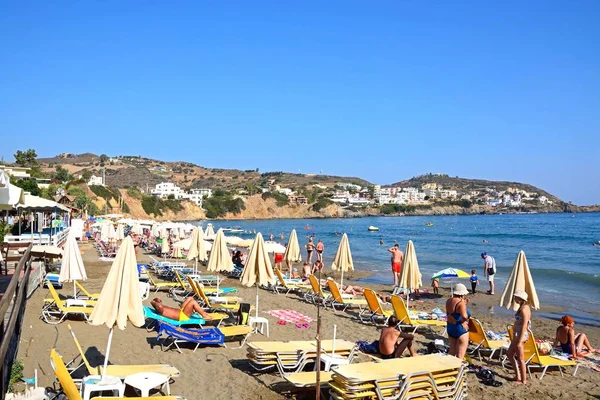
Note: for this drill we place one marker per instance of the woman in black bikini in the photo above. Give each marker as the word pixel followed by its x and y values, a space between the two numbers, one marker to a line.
pixel 521 328
pixel 570 342
pixel 310 247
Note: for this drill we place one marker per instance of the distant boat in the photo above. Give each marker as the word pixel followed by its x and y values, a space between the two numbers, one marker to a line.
pixel 373 228
pixel 429 224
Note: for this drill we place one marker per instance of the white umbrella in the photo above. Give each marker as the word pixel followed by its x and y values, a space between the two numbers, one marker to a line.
pixel 520 279
pixel 198 247
pixel 120 232
pixel 410 278
pixel 181 232
pixel 112 233
pixel 258 269
pixel 154 230
pixel 105 232
pixel 210 232
pixel 292 252
pixel 343 258
pixel 220 258
pixel 120 299
pixel 72 268
pixel 274 247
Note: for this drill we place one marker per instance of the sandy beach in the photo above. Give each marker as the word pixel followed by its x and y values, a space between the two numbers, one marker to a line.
pixel 219 373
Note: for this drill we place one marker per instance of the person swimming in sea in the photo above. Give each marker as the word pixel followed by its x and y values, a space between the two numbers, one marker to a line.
pixel 381 241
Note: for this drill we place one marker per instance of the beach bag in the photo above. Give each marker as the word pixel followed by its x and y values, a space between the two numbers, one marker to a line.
pixel 243 312
pixel 492 270
pixel 437 347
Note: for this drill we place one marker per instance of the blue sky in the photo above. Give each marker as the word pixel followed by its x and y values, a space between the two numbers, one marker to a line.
pixel 382 90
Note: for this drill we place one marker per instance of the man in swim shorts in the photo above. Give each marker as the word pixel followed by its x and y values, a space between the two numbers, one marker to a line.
pixel 320 248
pixel 396 259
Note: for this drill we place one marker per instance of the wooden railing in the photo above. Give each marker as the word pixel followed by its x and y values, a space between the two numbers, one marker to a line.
pixel 12 310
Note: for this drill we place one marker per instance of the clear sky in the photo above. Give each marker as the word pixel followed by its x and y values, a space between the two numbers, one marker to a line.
pixel 382 90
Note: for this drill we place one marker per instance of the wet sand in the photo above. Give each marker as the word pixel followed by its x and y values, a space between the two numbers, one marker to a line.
pixel 220 373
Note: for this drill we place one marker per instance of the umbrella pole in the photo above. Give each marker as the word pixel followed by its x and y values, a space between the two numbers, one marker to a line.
pixel 74 290
pixel 342 281
pixel 256 299
pixel 110 333
pixel 318 338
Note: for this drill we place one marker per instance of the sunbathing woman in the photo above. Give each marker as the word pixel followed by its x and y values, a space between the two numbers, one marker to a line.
pixel 570 342
pixel 188 307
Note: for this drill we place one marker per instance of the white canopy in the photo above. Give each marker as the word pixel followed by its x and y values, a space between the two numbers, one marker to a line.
pixel 35 203
pixel 11 196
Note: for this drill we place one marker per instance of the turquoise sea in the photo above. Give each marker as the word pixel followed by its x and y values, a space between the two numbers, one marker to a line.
pixel 564 263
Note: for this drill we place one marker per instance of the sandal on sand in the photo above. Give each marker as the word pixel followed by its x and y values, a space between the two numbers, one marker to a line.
pixel 281 322
pixel 305 325
pixel 299 326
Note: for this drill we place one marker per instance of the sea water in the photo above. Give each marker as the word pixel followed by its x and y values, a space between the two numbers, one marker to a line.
pixel 564 264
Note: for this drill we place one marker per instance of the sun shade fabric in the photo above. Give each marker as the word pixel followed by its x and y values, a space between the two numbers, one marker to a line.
pixel 258 269
pixel 520 279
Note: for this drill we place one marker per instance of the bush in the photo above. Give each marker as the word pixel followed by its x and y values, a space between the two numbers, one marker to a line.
pixel 104 192
pixel 156 206
pixel 28 185
pixel 396 208
pixel 281 199
pixel 321 203
pixel 16 373
pixel 221 203
pixel 135 193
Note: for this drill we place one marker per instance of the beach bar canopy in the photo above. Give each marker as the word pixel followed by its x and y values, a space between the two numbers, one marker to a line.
pixel 39 204
pixel 10 195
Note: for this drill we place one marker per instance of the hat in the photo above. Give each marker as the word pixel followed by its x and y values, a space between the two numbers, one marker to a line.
pixel 483 255
pixel 460 290
pixel 521 294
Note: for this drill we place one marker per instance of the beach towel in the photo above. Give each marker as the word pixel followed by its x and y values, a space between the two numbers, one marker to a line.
pixel 291 316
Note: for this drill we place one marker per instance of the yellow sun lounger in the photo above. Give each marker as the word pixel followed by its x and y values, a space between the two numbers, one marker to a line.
pixel 375 308
pixel 199 292
pixel 284 286
pixel 317 295
pixel 478 337
pixel 90 296
pixel 544 362
pixel 337 300
pixel 405 321
pixel 56 312
pixel 156 286
pixel 122 371
pixel 70 389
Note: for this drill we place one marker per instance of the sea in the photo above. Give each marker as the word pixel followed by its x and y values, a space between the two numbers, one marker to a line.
pixel 564 263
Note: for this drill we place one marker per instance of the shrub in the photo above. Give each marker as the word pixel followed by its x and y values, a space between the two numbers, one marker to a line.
pixel 135 193
pixel 221 203
pixel 321 203
pixel 16 373
pixel 104 192
pixel 28 185
pixel 280 198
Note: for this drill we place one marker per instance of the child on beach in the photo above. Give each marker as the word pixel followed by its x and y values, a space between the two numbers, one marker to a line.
pixel 435 284
pixel 474 280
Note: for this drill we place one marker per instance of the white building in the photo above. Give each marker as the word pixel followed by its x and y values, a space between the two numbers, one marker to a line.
pixel 432 193
pixel 542 199
pixel 96 180
pixel 165 189
pixel 202 192
pixel 349 186
pixel 447 194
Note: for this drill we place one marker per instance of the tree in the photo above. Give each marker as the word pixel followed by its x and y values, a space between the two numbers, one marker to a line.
pixel 62 174
pixel 26 158
pixel 28 185
pixel 103 158
pixel 86 174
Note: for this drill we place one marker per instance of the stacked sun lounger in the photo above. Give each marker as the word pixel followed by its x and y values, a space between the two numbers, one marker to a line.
pixel 293 356
pixel 433 376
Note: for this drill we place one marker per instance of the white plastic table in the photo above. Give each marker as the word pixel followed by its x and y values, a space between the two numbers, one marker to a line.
pixel 330 360
pixel 144 381
pixel 259 321
pixel 95 383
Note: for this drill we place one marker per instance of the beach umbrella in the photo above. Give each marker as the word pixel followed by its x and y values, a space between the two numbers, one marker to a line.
pixel 181 232
pixel 258 269
pixel 343 258
pixel 10 195
pixel 520 279
pixel 210 232
pixel 274 247
pixel 154 230
pixel 220 258
pixel 112 233
pixel 120 299
pixel 165 249
pixel 72 268
pixel 410 278
pixel 198 248
pixel 104 232
pixel 137 229
pixel 451 274
pixel 292 252
pixel 120 232
pixel 233 240
pixel 175 233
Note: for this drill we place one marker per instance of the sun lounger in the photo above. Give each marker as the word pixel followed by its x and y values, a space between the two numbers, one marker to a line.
pixel 337 300
pixel 405 321
pixel 86 294
pixel 216 336
pixel 156 286
pixel 225 303
pixel 544 362
pixel 70 389
pixel 284 286
pixel 122 371
pixel 56 312
pixel 375 308
pixel 478 337
pixel 317 295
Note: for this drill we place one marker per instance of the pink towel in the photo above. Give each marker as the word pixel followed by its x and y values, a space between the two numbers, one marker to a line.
pixel 291 316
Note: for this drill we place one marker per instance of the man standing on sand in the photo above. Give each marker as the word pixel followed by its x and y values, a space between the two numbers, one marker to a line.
pixel 320 248
pixel 396 260
pixel 489 270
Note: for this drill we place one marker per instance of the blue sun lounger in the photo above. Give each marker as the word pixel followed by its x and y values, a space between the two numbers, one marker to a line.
pixel 175 335
pixel 149 313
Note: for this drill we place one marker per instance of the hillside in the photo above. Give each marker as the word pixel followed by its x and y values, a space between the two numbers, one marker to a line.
pixel 465 185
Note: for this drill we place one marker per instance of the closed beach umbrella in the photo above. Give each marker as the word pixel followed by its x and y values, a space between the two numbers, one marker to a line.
pixel 154 230
pixel 210 232
pixel 120 232
pixel 175 233
pixel 258 269
pixel 120 299
pixel 343 258
pixel 165 249
pixel 181 232
pixel 220 258
pixel 112 233
pixel 198 249
pixel 292 252
pixel 104 232
pixel 520 279
pixel 411 276
pixel 72 268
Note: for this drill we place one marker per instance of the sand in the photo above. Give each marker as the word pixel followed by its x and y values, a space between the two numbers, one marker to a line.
pixel 220 373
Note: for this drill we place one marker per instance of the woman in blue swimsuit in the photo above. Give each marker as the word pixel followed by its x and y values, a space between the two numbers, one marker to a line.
pixel 458 321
